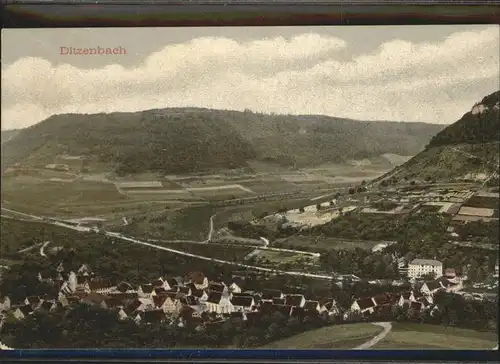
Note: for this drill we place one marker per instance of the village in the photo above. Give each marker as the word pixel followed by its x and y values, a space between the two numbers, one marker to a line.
pixel 196 301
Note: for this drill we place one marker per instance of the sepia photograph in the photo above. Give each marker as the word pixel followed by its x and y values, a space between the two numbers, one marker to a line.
pixel 308 187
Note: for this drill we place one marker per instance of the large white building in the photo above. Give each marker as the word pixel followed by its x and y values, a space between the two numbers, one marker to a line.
pixel 420 267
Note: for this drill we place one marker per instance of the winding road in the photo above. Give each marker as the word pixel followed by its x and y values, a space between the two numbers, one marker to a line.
pixel 374 340
pixel 175 251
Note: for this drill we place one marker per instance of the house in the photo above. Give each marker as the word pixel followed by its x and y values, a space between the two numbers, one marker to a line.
pixel 421 267
pixel 60 268
pixel 416 306
pixel 47 306
pixel 95 299
pixel 242 303
pixel 201 294
pixel 122 315
pixel 146 290
pixel 218 287
pixel 189 301
pixel 168 284
pixel 33 301
pixel 330 306
pixel 134 307
pixel 363 305
pixel 198 279
pixel 430 288
pixel 236 285
pixel 21 312
pixel 426 302
pixel 382 299
pixel 496 269
pixel 234 288
pixel 102 286
pixel 167 304
pixel 269 294
pixel 84 270
pixel 171 284
pixel 4 303
pixel 124 287
pixel 313 307
pixel 406 298
pixel 218 303
pixel 296 300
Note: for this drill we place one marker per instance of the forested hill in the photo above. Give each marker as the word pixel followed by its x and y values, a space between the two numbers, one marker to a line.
pixel 480 125
pixel 178 140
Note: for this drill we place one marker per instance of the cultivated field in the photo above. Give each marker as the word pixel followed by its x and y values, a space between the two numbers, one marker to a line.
pixel 423 336
pixel 330 337
pixel 218 251
pixel 323 243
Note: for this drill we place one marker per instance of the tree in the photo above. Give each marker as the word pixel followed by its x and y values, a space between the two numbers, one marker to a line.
pixel 351 190
pixel 318 207
pixel 301 210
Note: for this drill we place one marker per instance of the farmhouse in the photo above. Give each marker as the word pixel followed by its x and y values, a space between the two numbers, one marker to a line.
pixel 167 304
pixel 218 287
pixel 21 312
pixel 216 302
pixel 314 307
pixel 329 305
pixel 102 286
pixel 269 294
pixel 405 298
pixel 146 290
pixel 242 303
pixel 363 305
pixel 429 288
pixel 296 300
pixel 198 279
pixel 4 303
pixel 420 267
pixel 33 301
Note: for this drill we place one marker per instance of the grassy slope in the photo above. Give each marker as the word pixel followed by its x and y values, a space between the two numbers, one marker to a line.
pixel 444 164
pixel 422 336
pixel 330 337
pixel 448 154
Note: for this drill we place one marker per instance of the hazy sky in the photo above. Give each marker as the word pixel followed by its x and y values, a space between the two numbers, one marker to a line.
pixel 403 73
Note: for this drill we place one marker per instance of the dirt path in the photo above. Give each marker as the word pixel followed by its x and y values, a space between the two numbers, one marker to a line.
pixel 374 340
pixel 42 249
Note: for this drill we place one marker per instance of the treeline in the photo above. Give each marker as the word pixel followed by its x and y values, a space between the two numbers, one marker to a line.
pixel 188 140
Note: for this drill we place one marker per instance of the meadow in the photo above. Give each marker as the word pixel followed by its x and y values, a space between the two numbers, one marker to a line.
pixel 424 336
pixel 329 337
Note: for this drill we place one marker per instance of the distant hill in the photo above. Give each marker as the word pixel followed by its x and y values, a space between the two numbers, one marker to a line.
pixel 179 140
pixel 465 150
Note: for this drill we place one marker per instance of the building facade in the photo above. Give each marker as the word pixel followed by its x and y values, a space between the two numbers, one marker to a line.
pixel 418 268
